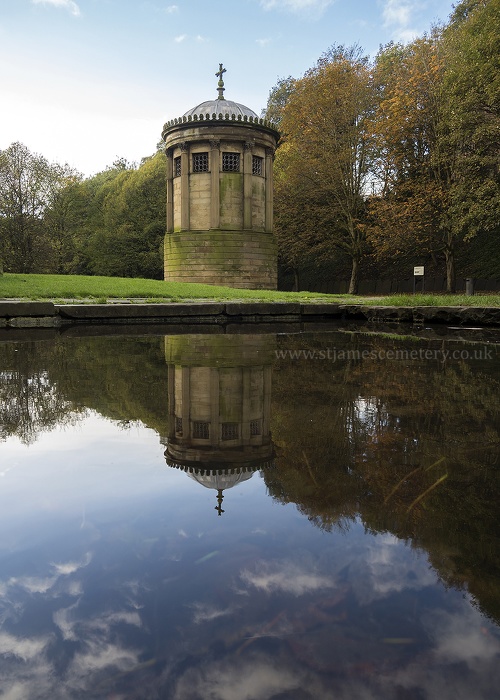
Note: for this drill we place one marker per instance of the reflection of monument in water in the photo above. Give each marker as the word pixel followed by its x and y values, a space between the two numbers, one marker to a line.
pixel 219 407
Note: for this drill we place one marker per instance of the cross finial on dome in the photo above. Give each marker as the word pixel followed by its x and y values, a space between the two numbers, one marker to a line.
pixel 220 498
pixel 220 84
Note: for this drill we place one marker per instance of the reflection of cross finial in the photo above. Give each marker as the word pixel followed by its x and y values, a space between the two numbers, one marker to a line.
pixel 220 498
pixel 220 84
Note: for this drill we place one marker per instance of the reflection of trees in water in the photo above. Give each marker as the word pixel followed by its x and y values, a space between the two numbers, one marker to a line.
pixel 368 438
pixel 347 433
pixel 30 401
pixel 50 383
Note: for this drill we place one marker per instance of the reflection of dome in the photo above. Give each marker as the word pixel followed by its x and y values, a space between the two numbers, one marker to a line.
pixel 223 107
pixel 219 479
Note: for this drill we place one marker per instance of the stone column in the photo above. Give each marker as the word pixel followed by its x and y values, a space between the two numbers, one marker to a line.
pixel 247 186
pixel 214 407
pixel 170 190
pixel 186 402
pixel 184 186
pixel 245 408
pixel 171 401
pixel 266 422
pixel 214 184
pixel 269 190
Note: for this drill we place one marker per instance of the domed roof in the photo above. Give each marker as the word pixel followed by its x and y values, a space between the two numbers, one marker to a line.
pixel 220 110
pixel 221 106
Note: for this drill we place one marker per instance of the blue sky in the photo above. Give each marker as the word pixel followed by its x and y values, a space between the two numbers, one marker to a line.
pixel 87 81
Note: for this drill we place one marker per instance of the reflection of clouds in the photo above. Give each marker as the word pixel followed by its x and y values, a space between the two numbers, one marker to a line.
pixel 259 678
pixel 33 584
pixel 99 648
pixel 62 619
pixel 25 649
pixel 236 679
pixel 462 637
pixel 72 626
pixel 464 662
pixel 284 577
pixel 387 567
pixel 43 584
pixel 205 612
pixel 100 654
pixel 66 568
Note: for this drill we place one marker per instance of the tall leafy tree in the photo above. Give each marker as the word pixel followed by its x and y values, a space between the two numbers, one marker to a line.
pixel 26 183
pixel 61 217
pixel 415 171
pixel 472 88
pixel 328 155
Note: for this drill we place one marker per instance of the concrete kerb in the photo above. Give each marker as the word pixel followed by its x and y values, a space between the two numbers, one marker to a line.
pixel 46 314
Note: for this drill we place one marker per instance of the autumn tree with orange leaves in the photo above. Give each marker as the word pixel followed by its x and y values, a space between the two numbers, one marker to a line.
pixel 416 166
pixel 324 162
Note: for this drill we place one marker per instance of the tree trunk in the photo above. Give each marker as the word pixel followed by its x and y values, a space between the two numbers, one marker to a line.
pixel 296 279
pixel 354 283
pixel 450 271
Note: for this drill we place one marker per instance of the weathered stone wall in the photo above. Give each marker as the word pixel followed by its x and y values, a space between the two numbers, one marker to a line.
pixel 243 259
pixel 258 203
pixel 199 201
pixel 231 201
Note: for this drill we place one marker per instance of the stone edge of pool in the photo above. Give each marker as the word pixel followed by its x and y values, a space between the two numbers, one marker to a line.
pixel 46 314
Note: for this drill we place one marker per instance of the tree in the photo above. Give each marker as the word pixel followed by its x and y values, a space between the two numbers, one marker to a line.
pixel 278 98
pixel 328 154
pixel 26 180
pixel 61 217
pixel 124 221
pixel 472 88
pixel 437 131
pixel 415 171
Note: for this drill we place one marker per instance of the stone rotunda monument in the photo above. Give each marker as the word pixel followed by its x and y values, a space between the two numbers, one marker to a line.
pixel 220 196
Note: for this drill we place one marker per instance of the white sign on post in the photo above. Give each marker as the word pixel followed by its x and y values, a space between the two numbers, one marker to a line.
pixel 418 271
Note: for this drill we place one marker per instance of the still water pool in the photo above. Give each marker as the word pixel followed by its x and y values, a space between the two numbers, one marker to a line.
pixel 251 517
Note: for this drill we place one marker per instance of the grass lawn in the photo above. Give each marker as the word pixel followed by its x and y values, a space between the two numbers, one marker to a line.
pixel 62 288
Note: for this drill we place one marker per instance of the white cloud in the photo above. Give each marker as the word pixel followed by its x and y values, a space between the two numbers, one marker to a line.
pixel 285 577
pixel 262 42
pixel 25 649
pixel 206 612
pixel 462 637
pixel 171 9
pixel 256 677
pixel 397 12
pixel 179 39
pixel 317 7
pixel 398 16
pixel 32 584
pixel 65 4
pixel 71 566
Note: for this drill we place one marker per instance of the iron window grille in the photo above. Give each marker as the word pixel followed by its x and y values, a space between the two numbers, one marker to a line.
pixel 230 431
pixel 200 162
pixel 177 167
pixel 201 430
pixel 231 162
pixel 257 165
pixel 255 427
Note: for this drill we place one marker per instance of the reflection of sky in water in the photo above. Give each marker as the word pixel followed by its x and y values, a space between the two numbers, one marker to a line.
pixel 118 580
